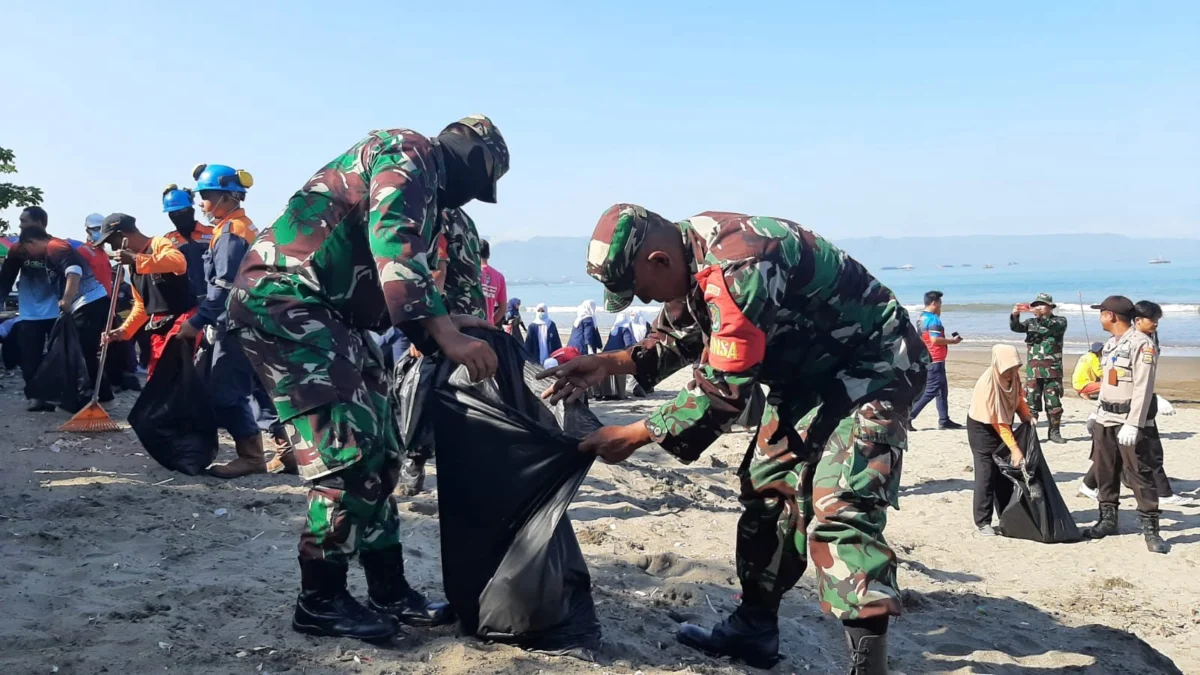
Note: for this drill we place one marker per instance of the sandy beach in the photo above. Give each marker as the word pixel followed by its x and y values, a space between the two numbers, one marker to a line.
pixel 113 564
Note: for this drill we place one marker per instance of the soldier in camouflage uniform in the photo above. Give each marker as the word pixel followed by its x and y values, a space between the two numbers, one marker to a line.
pixel 463 294
pixel 1044 333
pixel 749 301
pixel 348 255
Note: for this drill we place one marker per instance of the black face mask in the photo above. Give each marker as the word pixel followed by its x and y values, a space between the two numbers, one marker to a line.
pixel 184 221
pixel 467 175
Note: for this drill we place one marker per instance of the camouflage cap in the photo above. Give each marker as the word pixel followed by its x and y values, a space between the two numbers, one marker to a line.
pixel 610 256
pixel 494 141
pixel 1043 299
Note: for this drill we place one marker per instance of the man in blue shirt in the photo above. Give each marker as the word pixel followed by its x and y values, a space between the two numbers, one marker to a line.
pixel 933 334
pixel 37 301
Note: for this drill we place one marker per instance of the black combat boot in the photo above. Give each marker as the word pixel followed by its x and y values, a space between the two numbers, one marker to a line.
pixel 867 640
pixel 1106 526
pixel 1154 542
pixel 1055 435
pixel 750 634
pixel 388 591
pixel 326 608
pixel 412 477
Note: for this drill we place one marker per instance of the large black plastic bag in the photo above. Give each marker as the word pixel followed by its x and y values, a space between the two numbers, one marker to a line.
pixel 508 468
pixel 63 376
pixel 173 417
pixel 1035 509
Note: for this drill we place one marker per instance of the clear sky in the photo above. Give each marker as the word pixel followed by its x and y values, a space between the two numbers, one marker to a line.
pixel 890 118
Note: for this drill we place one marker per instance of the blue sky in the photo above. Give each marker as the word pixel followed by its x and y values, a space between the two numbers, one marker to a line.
pixel 885 119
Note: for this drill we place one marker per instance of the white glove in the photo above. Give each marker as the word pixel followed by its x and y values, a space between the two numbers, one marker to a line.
pixel 1128 435
pixel 1091 424
pixel 1165 407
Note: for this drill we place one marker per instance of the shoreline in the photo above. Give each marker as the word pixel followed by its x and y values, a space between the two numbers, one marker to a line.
pixel 1178 378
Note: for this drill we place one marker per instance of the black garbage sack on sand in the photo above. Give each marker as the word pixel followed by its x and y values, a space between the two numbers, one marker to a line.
pixel 173 417
pixel 63 376
pixel 1032 508
pixel 508 468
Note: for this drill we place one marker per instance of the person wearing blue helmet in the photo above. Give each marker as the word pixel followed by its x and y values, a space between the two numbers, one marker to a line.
pixel 191 236
pixel 222 189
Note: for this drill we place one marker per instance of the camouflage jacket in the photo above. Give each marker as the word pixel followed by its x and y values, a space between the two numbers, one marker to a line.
pixel 352 248
pixel 1045 336
pixel 774 304
pixel 464 291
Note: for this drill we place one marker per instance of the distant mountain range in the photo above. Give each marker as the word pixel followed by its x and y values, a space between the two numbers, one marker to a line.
pixel 561 259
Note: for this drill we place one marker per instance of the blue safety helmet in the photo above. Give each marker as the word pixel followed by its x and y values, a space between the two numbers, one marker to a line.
pixel 176 198
pixel 221 177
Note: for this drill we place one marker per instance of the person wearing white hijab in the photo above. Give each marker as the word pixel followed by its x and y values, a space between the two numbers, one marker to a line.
pixel 542 340
pixel 639 326
pixel 621 335
pixel 584 335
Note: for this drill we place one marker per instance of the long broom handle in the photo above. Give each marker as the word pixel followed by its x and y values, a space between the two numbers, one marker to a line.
pixel 112 312
pixel 1084 317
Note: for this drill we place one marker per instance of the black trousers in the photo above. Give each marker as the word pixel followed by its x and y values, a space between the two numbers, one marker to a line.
pixel 91 320
pixel 31 339
pixel 1110 458
pixel 1161 482
pixel 992 489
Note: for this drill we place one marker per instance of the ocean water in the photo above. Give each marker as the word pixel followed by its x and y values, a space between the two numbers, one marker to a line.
pixel 978 301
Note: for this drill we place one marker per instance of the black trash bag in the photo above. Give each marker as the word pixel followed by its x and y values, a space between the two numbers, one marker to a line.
pixel 173 416
pixel 508 467
pixel 752 415
pixel 63 376
pixel 411 374
pixel 1033 508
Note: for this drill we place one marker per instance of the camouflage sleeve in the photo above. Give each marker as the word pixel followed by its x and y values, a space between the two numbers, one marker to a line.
pixel 464 292
pixel 401 229
pixel 740 307
pixel 673 341
pixel 1015 324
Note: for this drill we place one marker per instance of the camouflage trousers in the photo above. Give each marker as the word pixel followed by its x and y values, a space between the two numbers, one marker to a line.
pixel 346 445
pixel 1049 388
pixel 826 498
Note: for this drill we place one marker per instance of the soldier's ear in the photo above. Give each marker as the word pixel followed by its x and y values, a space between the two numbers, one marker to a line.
pixel 659 258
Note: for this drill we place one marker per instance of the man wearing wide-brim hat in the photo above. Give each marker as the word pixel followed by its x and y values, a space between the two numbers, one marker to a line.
pixel 1045 334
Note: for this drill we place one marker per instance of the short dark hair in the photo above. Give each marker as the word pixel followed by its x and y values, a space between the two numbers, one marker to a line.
pixel 38 214
pixel 932 297
pixel 33 233
pixel 1145 309
pixel 485 249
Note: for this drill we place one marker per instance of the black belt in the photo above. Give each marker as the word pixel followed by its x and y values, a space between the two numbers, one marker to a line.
pixel 1115 408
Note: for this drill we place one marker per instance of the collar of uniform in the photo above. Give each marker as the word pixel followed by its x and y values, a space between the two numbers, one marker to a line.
pixel 695 249
pixel 236 214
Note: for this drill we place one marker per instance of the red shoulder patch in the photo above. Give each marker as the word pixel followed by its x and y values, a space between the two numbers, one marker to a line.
pixel 735 344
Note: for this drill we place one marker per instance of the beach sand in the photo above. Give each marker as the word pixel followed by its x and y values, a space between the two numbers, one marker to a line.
pixel 113 564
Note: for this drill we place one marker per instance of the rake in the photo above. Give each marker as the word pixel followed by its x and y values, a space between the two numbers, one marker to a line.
pixel 93 419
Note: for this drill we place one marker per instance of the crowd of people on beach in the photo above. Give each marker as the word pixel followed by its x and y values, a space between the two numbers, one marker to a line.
pixel 374 262
pixel 1119 375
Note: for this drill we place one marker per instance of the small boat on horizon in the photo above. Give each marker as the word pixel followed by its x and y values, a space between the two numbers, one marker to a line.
pixel 907 268
pixel 1160 261
pixel 988 267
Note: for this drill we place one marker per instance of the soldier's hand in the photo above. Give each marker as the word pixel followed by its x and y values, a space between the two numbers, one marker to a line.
pixel 1016 309
pixel 575 377
pixel 476 355
pixel 615 444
